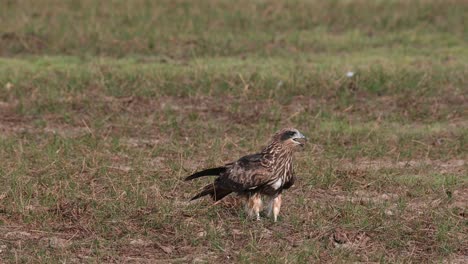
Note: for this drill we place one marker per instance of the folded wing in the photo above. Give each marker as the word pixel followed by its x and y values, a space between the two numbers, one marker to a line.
pixel 245 175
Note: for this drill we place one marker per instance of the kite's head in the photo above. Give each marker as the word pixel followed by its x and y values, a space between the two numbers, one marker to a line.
pixel 290 138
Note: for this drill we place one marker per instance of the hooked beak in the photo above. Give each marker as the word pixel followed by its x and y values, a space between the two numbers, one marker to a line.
pixel 300 139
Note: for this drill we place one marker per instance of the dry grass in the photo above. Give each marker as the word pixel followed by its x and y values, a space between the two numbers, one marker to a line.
pixel 93 146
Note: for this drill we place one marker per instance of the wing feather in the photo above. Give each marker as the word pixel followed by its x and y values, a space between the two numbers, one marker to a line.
pixel 245 174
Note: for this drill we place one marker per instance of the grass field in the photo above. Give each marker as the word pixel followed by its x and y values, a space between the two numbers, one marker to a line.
pixel 105 106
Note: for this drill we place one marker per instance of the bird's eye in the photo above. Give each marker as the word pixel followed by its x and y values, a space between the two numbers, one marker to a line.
pixel 288 134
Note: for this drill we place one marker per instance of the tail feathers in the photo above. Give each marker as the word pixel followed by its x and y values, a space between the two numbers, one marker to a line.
pixel 212 171
pixel 216 193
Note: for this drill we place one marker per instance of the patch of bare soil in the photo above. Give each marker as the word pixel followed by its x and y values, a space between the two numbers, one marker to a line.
pixel 14 125
pixel 13 237
pixel 141 142
pixel 456 259
pixel 202 108
pixel 449 166
pixel 354 240
pixel 460 199
pixel 30 42
pixel 11 123
pixel 55 242
pixel 360 196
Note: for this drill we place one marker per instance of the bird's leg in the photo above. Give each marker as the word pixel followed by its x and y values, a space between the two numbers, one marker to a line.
pixel 276 206
pixel 254 205
pixel 269 209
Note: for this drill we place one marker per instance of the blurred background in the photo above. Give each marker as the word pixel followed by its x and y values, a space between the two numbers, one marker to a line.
pixel 106 105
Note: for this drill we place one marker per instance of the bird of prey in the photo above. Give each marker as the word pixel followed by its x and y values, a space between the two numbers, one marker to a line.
pixel 266 173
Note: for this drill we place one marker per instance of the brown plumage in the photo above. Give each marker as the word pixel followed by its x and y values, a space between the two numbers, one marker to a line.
pixel 266 173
